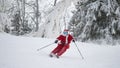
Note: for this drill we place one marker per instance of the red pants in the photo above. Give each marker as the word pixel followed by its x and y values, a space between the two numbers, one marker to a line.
pixel 60 49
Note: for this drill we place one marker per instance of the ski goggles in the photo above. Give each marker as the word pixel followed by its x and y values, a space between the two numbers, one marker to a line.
pixel 65 32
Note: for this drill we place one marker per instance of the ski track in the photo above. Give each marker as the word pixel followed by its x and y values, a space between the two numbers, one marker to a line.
pixel 21 52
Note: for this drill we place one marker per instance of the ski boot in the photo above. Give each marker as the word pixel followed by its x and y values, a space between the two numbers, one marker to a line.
pixel 51 54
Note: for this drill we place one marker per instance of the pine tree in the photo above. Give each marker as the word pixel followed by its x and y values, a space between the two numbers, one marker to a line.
pixel 96 19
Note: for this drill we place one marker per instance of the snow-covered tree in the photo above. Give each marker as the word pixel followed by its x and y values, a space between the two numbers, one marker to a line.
pixel 54 23
pixel 24 15
pixel 96 19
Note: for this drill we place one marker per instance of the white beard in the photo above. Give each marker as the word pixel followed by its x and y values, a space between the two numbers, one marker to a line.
pixel 64 34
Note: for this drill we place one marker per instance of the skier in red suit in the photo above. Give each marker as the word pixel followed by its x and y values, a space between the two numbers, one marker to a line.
pixel 63 41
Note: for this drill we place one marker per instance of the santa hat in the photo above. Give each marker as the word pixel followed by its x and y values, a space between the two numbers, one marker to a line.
pixel 66 30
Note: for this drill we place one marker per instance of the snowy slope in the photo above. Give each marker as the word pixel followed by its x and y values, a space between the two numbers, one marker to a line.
pixel 20 52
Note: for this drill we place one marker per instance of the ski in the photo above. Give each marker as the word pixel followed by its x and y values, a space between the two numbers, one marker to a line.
pixel 50 55
pixel 53 55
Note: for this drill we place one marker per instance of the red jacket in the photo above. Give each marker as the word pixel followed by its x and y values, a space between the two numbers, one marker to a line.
pixel 65 40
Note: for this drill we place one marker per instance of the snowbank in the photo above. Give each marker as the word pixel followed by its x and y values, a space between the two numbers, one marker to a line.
pixel 20 52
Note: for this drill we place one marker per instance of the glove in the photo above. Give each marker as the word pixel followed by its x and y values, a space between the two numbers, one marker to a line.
pixel 73 40
pixel 56 41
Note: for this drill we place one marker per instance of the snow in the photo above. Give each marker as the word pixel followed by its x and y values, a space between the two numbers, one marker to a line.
pixel 20 52
pixel 55 18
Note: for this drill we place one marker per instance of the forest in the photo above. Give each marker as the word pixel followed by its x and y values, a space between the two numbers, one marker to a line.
pixel 87 20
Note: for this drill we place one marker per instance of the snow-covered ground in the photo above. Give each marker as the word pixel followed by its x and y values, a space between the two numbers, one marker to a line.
pixel 21 52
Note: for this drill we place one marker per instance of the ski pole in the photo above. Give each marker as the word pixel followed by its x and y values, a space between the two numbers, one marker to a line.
pixel 79 50
pixel 44 47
